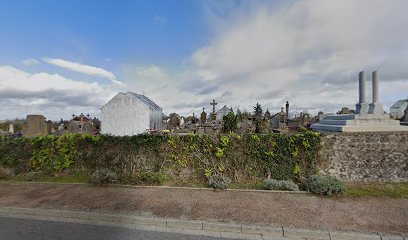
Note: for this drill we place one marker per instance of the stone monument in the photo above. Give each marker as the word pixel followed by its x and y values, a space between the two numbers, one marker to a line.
pixel 203 118
pixel 213 115
pixel 35 126
pixel 11 128
pixel 367 117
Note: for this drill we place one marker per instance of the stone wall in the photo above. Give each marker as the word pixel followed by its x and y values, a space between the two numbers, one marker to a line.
pixel 365 156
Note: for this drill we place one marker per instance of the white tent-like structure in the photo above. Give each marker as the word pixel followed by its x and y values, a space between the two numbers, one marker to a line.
pixel 130 114
pixel 397 110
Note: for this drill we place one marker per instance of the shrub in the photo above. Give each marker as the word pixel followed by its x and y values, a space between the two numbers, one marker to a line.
pixel 272 184
pixel 31 176
pixel 289 186
pixel 219 182
pixel 5 173
pixel 151 177
pixel 324 185
pixel 103 176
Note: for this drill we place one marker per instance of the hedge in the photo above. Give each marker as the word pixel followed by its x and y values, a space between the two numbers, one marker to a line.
pixel 236 156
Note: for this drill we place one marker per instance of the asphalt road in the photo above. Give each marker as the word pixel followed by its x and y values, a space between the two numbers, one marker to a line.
pixel 22 229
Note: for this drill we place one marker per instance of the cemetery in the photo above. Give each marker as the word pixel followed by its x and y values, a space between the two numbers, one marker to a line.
pixel 216 149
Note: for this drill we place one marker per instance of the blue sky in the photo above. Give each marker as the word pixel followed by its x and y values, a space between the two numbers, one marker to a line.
pixel 102 33
pixel 64 57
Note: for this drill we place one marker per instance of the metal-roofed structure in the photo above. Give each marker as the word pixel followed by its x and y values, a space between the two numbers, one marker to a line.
pixel 397 110
pixel 130 114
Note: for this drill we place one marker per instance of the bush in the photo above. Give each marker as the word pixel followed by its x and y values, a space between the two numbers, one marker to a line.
pixel 272 184
pixel 31 176
pixel 151 177
pixel 5 173
pixel 219 182
pixel 103 176
pixel 324 185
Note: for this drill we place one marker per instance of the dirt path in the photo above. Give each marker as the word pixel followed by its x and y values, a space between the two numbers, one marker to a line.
pixel 384 215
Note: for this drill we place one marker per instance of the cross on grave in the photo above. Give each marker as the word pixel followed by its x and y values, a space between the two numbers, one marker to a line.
pixel 213 104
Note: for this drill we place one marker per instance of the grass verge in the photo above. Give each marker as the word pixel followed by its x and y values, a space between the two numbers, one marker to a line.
pixel 78 177
pixel 394 190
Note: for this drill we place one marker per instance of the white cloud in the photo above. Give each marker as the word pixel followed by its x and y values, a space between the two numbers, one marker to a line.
pixel 151 71
pixel 30 62
pixel 81 68
pixel 52 95
pixel 307 52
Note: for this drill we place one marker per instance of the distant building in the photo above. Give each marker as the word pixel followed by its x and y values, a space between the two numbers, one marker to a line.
pixel 130 114
pixel 83 124
pixel 223 112
pixel 398 108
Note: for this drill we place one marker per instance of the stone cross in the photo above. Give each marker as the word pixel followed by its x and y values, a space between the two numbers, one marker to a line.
pixel 213 104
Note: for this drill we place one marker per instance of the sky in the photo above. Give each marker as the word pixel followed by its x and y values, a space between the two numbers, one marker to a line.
pixel 59 58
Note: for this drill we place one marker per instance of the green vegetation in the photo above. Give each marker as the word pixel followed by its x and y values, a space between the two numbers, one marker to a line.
pixel 77 177
pixel 219 182
pixel 258 113
pixel 152 178
pixel 282 185
pixel 255 184
pixel 324 185
pixel 103 176
pixel 394 190
pixel 230 122
pixel 149 159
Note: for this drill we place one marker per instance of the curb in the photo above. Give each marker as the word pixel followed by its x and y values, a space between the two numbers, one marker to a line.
pixel 154 187
pixel 204 228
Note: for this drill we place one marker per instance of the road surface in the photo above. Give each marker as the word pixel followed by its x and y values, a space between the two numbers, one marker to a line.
pixel 22 229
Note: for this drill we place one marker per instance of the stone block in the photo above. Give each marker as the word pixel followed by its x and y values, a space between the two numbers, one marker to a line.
pixel 391 237
pixel 354 236
pixel 150 221
pixel 4 211
pixel 126 219
pixel 221 227
pixel 305 233
pixel 49 213
pixel 105 217
pixel 77 215
pixel 24 211
pixel 185 224
pixel 269 231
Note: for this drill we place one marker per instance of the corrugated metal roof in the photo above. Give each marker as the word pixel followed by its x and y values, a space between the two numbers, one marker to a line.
pixel 399 103
pixel 146 100
pixel 224 109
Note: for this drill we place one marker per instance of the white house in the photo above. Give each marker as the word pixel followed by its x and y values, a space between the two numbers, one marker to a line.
pixel 130 114
pixel 398 108
pixel 222 112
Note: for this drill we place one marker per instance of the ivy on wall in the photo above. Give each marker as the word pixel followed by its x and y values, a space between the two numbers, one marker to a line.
pixel 237 156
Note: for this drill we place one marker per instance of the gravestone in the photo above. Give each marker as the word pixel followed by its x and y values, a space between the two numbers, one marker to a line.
pixel 203 118
pixel 35 126
pixel 11 128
